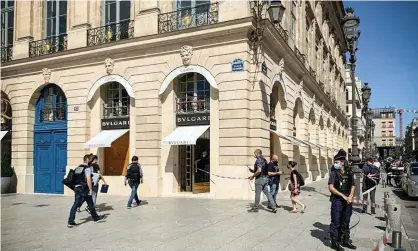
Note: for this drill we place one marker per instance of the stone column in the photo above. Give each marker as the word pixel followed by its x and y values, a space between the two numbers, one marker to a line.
pixel 23 28
pixel 79 23
pixel 146 17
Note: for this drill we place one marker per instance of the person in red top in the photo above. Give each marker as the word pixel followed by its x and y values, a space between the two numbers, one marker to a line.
pixel 294 187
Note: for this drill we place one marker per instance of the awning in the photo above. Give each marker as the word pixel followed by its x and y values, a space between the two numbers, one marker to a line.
pixel 312 144
pixel 2 134
pixel 185 135
pixel 292 139
pixel 105 138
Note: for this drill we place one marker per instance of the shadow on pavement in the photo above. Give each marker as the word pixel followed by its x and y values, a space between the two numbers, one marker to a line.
pixel 102 207
pixel 380 228
pixel 401 195
pixel 312 189
pixel 321 233
pixel 380 218
pixel 18 203
pixel 88 219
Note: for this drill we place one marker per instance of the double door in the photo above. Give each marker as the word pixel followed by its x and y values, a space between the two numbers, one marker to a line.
pixel 50 161
pixel 195 167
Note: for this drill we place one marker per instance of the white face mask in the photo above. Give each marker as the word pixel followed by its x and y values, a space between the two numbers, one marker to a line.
pixel 204 155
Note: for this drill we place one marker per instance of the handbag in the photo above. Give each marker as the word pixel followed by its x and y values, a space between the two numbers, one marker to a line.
pixel 290 186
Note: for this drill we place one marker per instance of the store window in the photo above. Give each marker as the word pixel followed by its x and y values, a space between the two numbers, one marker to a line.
pixel 117 101
pixel 193 94
pixel 7 28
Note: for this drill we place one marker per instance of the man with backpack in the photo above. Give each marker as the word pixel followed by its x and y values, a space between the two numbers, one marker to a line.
pixel 261 182
pixel 134 177
pixel 81 180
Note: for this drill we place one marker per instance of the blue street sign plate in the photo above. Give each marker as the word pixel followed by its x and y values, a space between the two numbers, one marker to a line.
pixel 237 65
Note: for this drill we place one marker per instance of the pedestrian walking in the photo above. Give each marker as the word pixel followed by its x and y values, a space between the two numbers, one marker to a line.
pixel 83 191
pixel 134 177
pixel 96 177
pixel 371 178
pixel 274 173
pixel 341 186
pixel 294 187
pixel 261 182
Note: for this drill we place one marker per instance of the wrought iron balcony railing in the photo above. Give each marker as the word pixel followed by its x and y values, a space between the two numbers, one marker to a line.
pixel 184 18
pixel 283 33
pixel 110 33
pixel 48 46
pixel 192 105
pixel 273 121
pixel 300 56
pixel 6 53
pixel 313 72
pixel 53 114
pixel 117 111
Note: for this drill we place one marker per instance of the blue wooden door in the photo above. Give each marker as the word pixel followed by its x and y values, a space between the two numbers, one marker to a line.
pixel 50 161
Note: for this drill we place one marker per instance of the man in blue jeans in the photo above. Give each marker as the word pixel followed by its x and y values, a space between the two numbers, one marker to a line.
pixel 83 191
pixel 274 176
pixel 133 177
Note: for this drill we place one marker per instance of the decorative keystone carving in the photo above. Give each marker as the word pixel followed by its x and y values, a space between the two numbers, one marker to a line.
pixel 186 53
pixel 281 67
pixel 46 74
pixel 109 65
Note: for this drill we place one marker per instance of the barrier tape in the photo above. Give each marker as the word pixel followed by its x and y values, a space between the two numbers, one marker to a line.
pixel 223 177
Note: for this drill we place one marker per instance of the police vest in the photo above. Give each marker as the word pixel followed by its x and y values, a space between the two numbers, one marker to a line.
pixel 133 172
pixel 79 175
pixel 343 182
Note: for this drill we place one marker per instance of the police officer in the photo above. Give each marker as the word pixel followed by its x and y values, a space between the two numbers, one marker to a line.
pixel 371 178
pixel 83 191
pixel 341 186
pixel 133 177
pixel 261 182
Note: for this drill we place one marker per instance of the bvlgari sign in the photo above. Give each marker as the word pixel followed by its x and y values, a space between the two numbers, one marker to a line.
pixel 115 123
pixel 188 119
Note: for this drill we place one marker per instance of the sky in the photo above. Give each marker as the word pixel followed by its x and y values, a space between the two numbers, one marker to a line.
pixel 387 58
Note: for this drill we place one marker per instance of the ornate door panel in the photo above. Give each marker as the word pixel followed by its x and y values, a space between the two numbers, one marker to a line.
pixel 43 163
pixel 60 162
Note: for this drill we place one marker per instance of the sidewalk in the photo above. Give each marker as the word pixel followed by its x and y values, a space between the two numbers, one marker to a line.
pixel 38 222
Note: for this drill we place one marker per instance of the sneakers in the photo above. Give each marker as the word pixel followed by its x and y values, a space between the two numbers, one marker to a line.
pixel 138 203
pixel 128 207
pixel 71 225
pixel 274 210
pixel 100 219
pixel 253 210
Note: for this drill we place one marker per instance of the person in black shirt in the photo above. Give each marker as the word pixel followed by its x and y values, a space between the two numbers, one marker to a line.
pixel 341 185
pixel 274 175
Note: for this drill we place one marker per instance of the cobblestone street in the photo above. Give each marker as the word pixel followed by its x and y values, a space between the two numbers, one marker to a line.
pixel 176 224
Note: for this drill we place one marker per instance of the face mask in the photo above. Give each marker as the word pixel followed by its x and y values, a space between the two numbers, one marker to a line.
pixel 275 161
pixel 204 155
pixel 337 166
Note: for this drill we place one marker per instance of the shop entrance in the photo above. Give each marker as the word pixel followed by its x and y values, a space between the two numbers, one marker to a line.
pixel 194 167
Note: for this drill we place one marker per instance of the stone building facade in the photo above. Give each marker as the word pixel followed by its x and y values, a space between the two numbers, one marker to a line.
pixel 177 83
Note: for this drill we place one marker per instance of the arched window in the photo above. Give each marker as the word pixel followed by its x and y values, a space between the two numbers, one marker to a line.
pixel 117 101
pixel 193 94
pixel 52 105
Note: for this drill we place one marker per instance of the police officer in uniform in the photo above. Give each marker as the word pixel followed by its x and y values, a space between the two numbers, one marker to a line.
pixel 341 186
pixel 83 191
pixel 133 177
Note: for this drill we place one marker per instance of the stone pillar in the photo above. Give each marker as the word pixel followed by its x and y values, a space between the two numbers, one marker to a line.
pixel 146 17
pixel 23 28
pixel 79 23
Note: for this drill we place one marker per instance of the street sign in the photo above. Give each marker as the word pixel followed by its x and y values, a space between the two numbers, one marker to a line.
pixel 237 65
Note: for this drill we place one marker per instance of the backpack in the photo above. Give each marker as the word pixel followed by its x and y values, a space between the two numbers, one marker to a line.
pixel 301 180
pixel 134 172
pixel 69 180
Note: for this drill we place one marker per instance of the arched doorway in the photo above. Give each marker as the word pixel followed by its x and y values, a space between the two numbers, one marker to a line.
pixel 50 140
pixel 190 141
pixel 298 132
pixel 6 136
pixel 111 108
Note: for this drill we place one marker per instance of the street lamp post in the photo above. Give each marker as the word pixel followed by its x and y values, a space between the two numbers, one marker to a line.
pixel 350 25
pixel 372 143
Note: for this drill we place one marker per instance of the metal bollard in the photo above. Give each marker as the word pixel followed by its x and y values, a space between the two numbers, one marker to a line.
pixel 394 214
pixel 388 201
pixel 396 239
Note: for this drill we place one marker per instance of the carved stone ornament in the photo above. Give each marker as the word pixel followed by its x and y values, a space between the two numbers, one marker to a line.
pixel 46 74
pixel 281 67
pixel 186 53
pixel 109 65
pixel 299 88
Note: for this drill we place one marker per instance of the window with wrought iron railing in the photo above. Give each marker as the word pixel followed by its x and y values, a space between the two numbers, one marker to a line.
pixel 187 14
pixel 7 28
pixel 193 94
pixel 53 105
pixel 117 101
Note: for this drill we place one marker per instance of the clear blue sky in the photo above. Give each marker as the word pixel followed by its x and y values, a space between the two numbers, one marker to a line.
pixel 388 53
